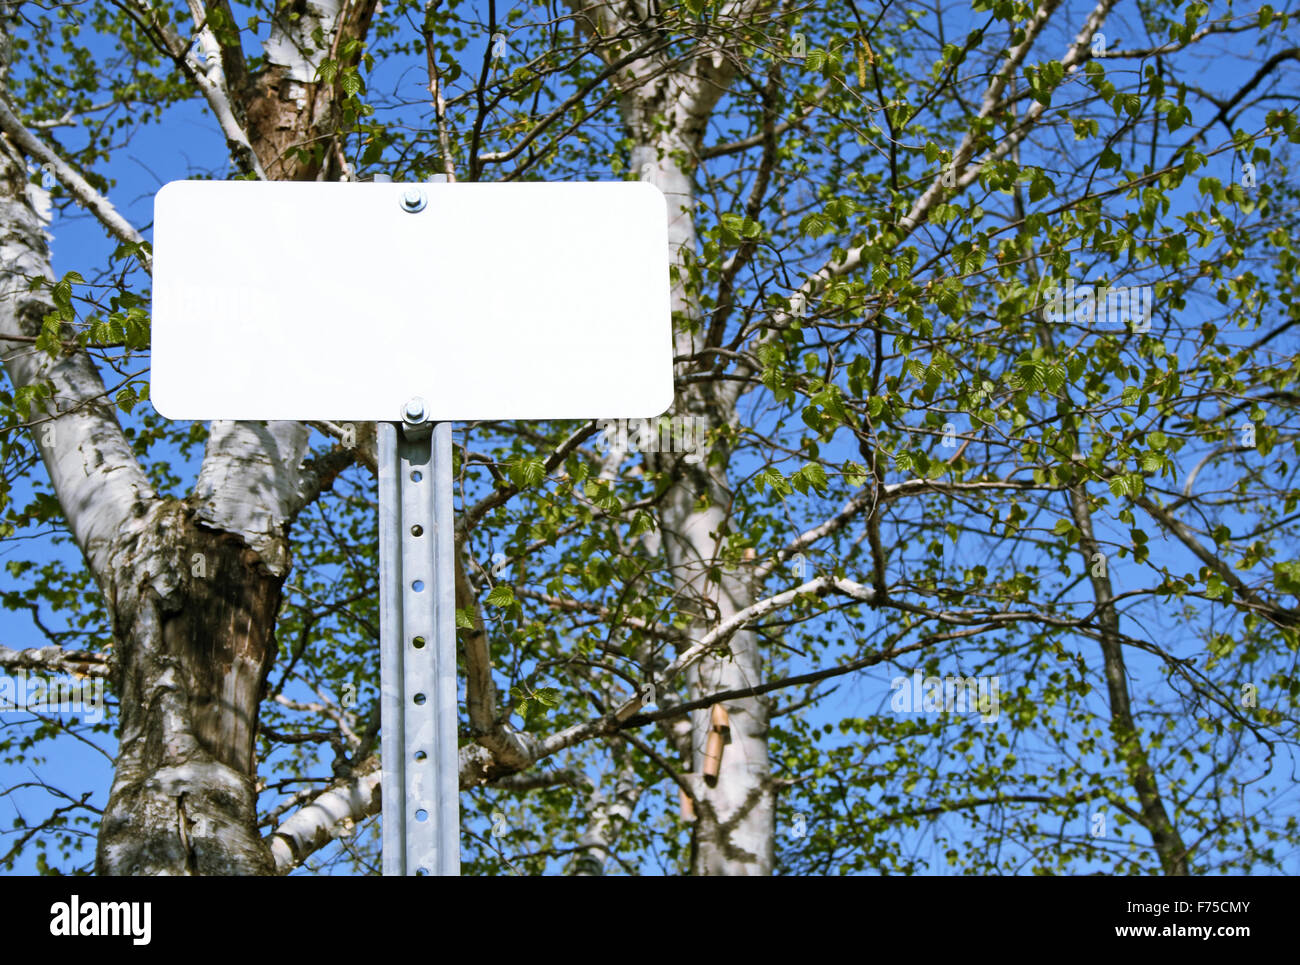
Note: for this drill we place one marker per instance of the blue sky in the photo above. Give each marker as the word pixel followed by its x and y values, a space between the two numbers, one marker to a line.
pixel 186 144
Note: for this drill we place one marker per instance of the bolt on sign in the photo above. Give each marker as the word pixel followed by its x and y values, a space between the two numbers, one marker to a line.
pixel 411 306
pixel 299 300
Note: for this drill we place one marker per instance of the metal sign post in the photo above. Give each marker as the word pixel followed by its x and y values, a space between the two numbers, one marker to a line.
pixel 552 300
pixel 417 630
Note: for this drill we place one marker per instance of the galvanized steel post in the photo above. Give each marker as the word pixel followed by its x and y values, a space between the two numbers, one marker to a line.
pixel 417 630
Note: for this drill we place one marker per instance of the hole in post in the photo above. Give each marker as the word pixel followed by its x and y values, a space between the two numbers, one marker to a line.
pixel 422 815
pixel 417 530
pixel 421 872
pixel 418 643
pixel 416 475
pixel 419 698
pixel 417 586
pixel 421 756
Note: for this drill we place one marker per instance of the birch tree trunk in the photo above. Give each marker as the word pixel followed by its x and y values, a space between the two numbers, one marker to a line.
pixel 734 828
pixel 191 607
pixel 192 586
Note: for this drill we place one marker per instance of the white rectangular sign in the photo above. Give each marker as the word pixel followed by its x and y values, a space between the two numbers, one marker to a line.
pixel 298 300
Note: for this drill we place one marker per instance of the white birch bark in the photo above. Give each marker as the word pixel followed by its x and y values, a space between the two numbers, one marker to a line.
pixel 666 116
pixel 608 816
pixel 315 825
pixel 192 586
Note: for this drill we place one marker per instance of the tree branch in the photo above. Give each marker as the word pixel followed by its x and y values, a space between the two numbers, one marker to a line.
pixel 80 188
pixel 82 663
pixel 315 825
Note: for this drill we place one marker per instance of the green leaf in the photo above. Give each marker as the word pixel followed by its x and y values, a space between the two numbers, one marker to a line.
pixel 528 471
pixel 810 475
pixel 771 476
pixel 814 225
pixel 547 697
pixel 126 398
pixel 62 289
pixel 501 596
pixel 1286 577
pixel 736 227
pixel 1216 589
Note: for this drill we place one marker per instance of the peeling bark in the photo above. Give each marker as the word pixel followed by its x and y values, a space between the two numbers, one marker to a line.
pixel 194 613
pixel 290 114
pixel 191 588
pixel 191 651
pixel 734 834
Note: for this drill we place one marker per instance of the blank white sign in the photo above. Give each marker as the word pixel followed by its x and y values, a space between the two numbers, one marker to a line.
pixel 293 300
